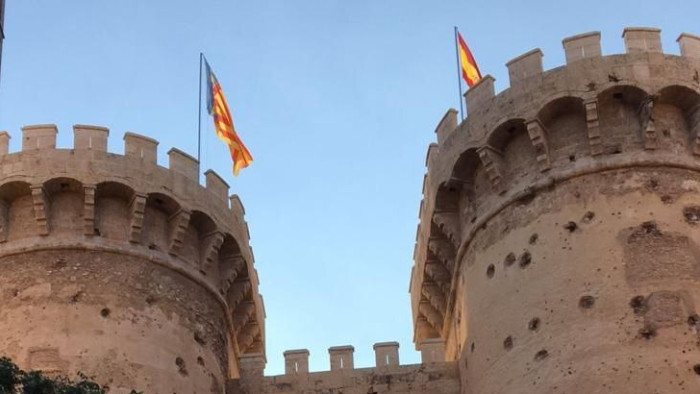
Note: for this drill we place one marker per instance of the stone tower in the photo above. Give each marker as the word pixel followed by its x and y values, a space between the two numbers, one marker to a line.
pixel 558 249
pixel 123 269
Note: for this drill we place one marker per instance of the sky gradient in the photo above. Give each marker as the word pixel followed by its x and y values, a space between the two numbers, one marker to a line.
pixel 337 101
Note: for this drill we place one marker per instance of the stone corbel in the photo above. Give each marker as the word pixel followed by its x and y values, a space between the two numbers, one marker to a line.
pixel 431 315
pixel 229 277
pixel 491 160
pixel 137 207
pixel 540 141
pixel 434 294
pixel 247 335
pixel 237 293
pixel 40 201
pixel 211 243
pixel 443 250
pixel 178 228
pixel 242 315
pixel 646 114
pixel 595 142
pixel 449 224
pixel 4 221
pixel 695 130
pixel 89 210
pixel 439 274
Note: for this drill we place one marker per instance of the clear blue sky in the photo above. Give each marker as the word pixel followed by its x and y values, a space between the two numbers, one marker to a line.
pixel 337 101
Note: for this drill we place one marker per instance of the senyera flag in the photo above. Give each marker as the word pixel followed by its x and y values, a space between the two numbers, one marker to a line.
pixel 223 123
pixel 470 71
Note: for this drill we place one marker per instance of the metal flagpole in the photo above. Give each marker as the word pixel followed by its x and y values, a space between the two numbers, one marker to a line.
pixel 459 76
pixel 199 121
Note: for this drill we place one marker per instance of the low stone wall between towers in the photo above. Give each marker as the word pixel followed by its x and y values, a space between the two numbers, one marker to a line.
pixel 432 376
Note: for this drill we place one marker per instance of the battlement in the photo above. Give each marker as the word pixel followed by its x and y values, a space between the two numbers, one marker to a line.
pixel 89 198
pixel 597 112
pixel 344 375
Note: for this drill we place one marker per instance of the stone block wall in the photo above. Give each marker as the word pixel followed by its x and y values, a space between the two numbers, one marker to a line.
pixel 122 269
pixel 557 247
pixel 433 376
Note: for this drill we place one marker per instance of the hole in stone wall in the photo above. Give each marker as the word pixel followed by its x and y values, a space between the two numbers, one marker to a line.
pixel 534 324
pixel 648 331
pixel 666 199
pixel 510 259
pixel 692 214
pixel 617 95
pixel 151 299
pixel 541 355
pixel 653 184
pixel 588 216
pixel 508 343
pixel 77 296
pixel 696 369
pixel 533 239
pixel 105 312
pixel 571 226
pixel 200 361
pixel 490 271
pixel 472 347
pixel 639 305
pixel 693 320
pixel 650 228
pixel 181 367
pixel 572 158
pixel 586 302
pixel 525 259
pixel 199 337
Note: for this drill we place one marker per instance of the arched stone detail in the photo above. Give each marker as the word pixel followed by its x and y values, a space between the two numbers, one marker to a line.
pixel 677 114
pixel 509 156
pixel 467 181
pixel 623 107
pixel 159 221
pixel 565 126
pixel 231 263
pixel 202 242
pixel 16 211
pixel 113 210
pixel 66 197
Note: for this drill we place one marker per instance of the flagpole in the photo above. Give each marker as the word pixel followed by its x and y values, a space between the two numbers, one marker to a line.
pixel 199 120
pixel 459 76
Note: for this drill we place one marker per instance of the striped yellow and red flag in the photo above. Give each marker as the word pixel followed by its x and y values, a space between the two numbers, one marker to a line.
pixel 223 122
pixel 470 71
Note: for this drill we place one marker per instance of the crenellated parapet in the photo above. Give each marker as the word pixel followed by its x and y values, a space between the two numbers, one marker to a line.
pixel 90 199
pixel 596 113
pixel 433 375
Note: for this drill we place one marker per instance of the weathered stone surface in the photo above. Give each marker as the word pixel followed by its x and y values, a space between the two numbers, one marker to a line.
pixel 577 268
pixel 115 267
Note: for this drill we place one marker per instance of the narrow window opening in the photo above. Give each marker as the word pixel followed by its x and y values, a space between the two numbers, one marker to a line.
pixel 342 363
pixel 89 142
pixel 387 359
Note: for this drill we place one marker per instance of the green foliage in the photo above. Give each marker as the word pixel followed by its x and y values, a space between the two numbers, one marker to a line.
pixel 16 381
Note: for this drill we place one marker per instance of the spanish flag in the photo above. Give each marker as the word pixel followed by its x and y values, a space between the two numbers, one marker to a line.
pixel 470 71
pixel 218 109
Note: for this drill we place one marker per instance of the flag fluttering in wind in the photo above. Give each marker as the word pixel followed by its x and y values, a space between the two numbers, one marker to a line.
pixel 470 71
pixel 223 122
